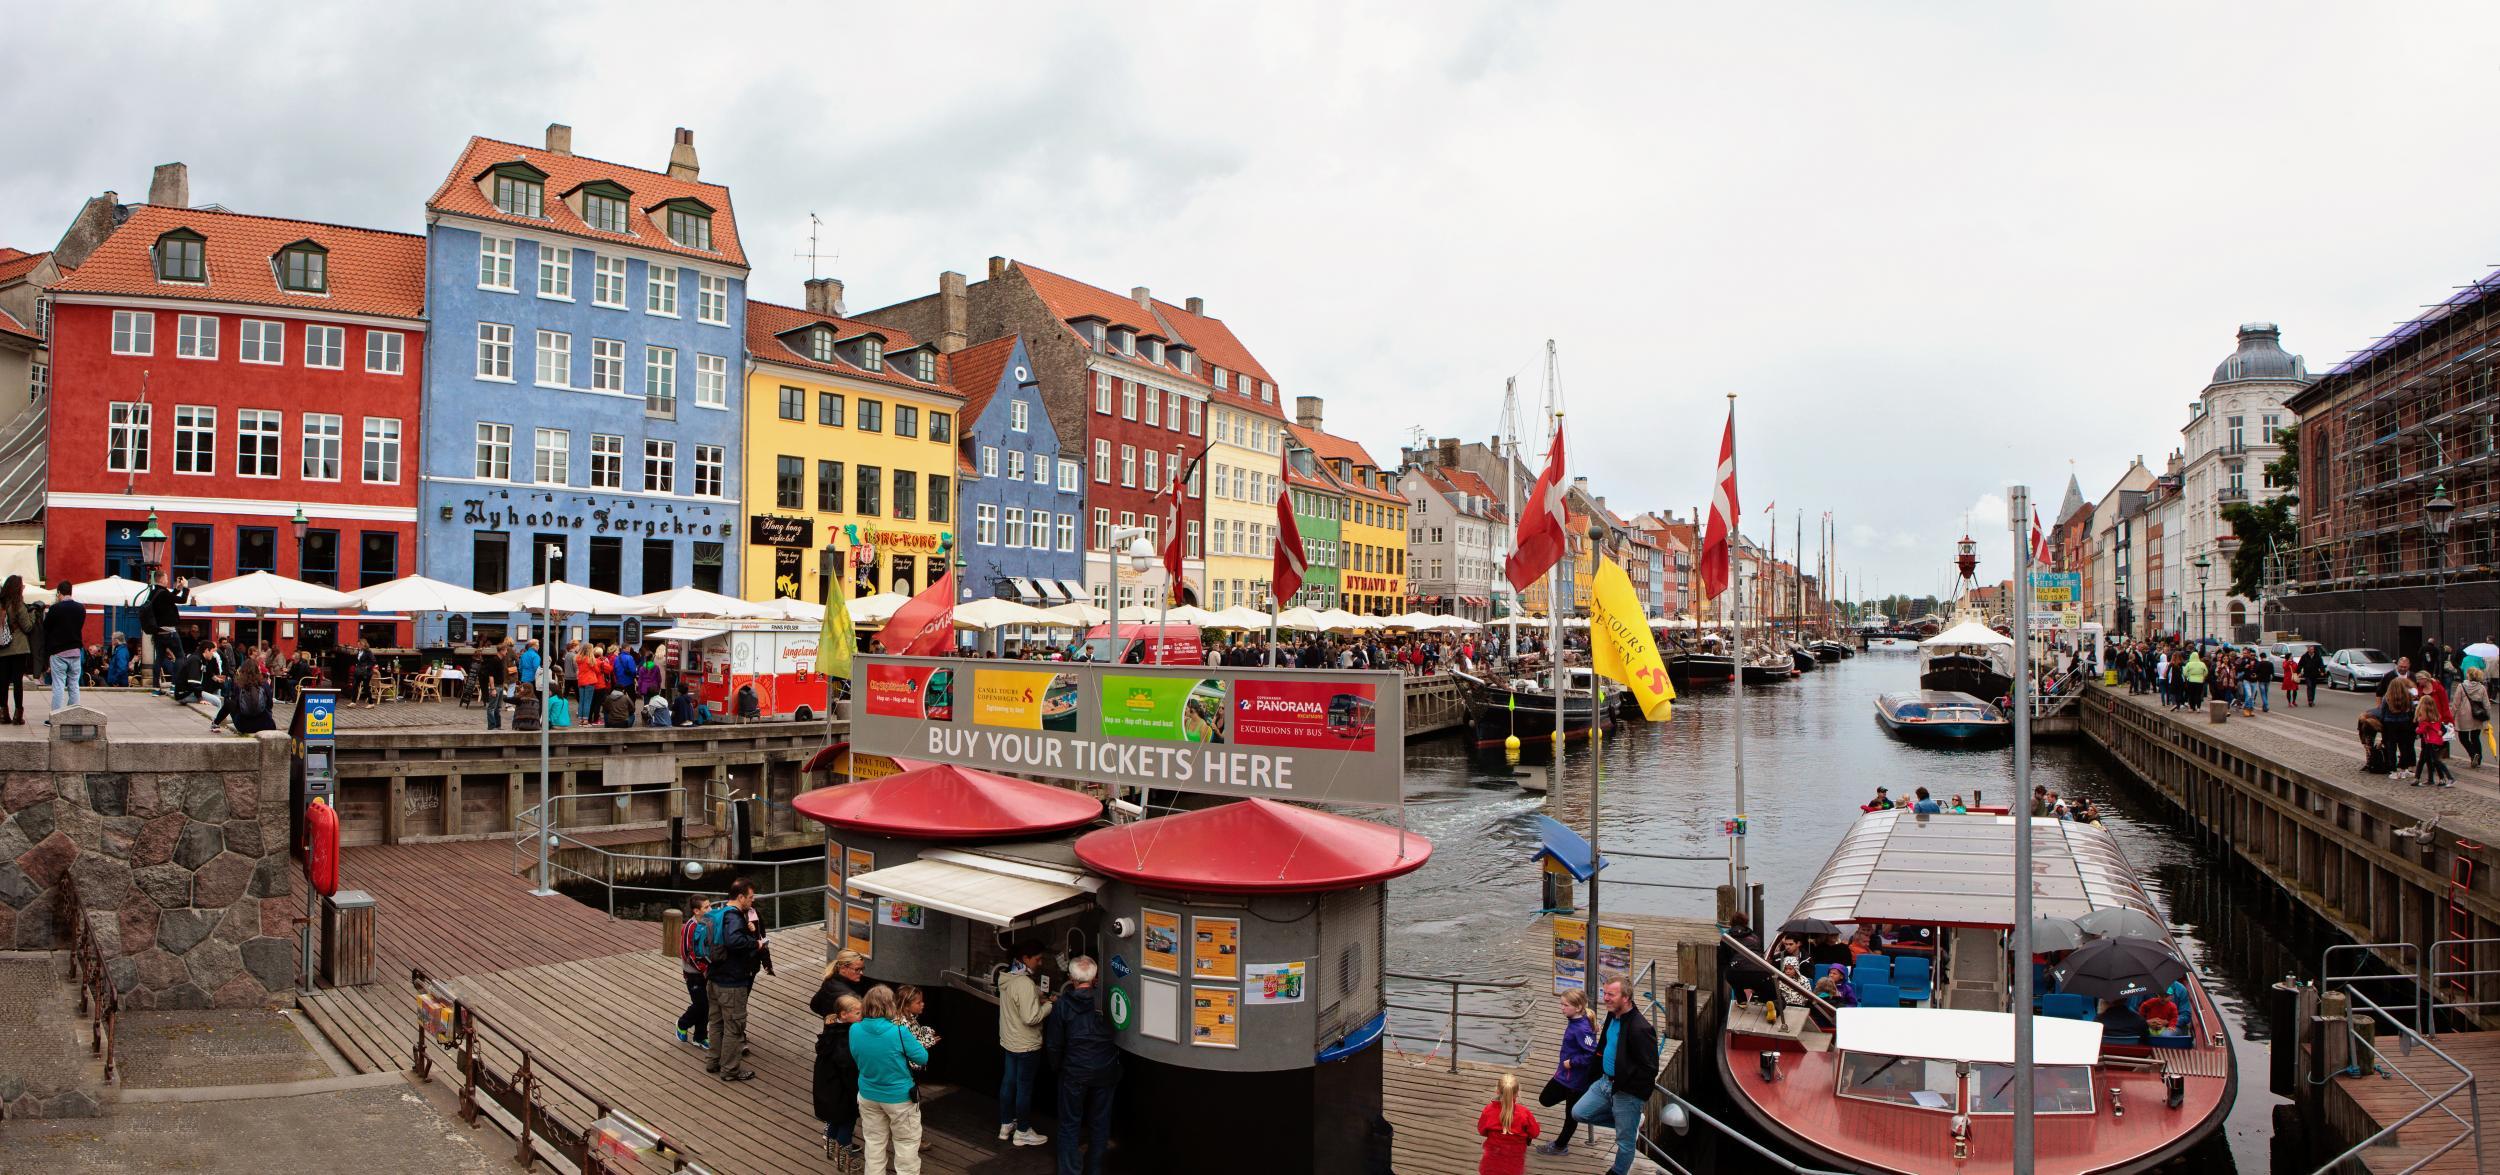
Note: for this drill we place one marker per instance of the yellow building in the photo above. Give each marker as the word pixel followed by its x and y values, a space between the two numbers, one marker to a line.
pixel 850 456
pixel 1372 539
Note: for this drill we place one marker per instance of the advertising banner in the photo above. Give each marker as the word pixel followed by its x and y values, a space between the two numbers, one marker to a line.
pixel 1215 950
pixel 1317 736
pixel 1215 1017
pixel 1160 944
pixel 1277 983
pixel 1571 941
pixel 2056 587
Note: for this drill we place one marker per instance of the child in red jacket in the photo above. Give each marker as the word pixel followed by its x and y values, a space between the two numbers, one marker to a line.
pixel 1508 1128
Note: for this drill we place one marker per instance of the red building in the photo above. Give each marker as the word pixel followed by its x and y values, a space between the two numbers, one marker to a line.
pixel 223 375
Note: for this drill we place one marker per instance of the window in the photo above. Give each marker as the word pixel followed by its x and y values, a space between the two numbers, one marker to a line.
pixel 1015 526
pixel 552 458
pixel 1067 532
pixel 494 350
pixel 195 439
pixel 793 403
pixel 1102 529
pixel 942 428
pixel 659 467
pixel 256 442
pixel 195 551
pixel 263 342
pixel 659 564
pixel 829 409
pixel 829 487
pixel 321 446
pixel 906 420
pixel 1041 469
pixel 325 347
pixel 1221 378
pixel 868 490
pixel 707 566
pixel 1172 414
pixel 607 461
pixel 689 228
pixel 709 462
pixel 872 353
pixel 607 563
pixel 604 213
pixel 494 452
pixel 871 416
pixel 661 296
pixel 181 256
pixel 789 483
pixel 711 381
pixel 985 525
pixel 2239 475
pixel 134 332
pixel 820 345
pixel 490 561
pixel 382 450
pixel 520 196
pixel 1128 465
pixel 1102 393
pixel 607 365
pixel 195 336
pixel 1015 463
pixel 906 494
pixel 126 438
pixel 494 263
pixel 2238 437
pixel 1193 540
pixel 1154 470
pixel 1067 477
pixel 549 557
pixel 555 272
pixel 924 366
pixel 377 558
pixel 1019 415
pixel 1102 462
pixel 711 299
pixel 555 359
pixel 1128 400
pixel 607 282
pixel 659 381
pixel 941 501
pixel 386 352
pixel 1154 409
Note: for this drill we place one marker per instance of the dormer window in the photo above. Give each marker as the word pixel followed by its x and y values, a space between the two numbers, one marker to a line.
pixel 1221 378
pixel 604 208
pixel 924 366
pixel 304 267
pixel 872 353
pixel 1154 350
pixel 1123 340
pixel 690 224
pixel 1188 360
pixel 182 256
pixel 519 195
pixel 820 345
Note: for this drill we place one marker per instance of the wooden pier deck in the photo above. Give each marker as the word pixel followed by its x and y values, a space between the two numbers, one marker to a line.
pixel 461 908
pixel 2362 1106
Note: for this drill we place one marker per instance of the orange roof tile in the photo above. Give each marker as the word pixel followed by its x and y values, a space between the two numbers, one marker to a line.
pixel 370 271
pixel 461 194
pixel 975 371
pixel 1069 298
pixel 1215 343
pixel 14 263
pixel 767 321
pixel 9 325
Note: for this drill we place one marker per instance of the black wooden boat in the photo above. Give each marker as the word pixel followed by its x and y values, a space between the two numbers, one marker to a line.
pixel 1497 711
pixel 1805 661
pixel 1691 669
pixel 1831 650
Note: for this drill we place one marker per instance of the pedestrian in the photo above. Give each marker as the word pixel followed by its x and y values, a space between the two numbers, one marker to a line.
pixel 1627 1069
pixel 2428 726
pixel 2195 673
pixel 362 669
pixel 590 679
pixel 2260 682
pixel 2476 716
pixel 249 700
pixel 618 710
pixel 1573 1070
pixel 64 623
pixel 694 1025
pixel 734 952
pixel 493 698
pixel 623 670
pixel 1021 1009
pixel 526 708
pixel 888 1116
pixel 837 1072
pixel 2312 671
pixel 1087 1059
pixel 528 665
pixel 1508 1128
pixel 2395 713
pixel 17 649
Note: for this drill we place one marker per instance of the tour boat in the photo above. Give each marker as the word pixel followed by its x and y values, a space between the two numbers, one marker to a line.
pixel 1968 658
pixel 1831 650
pixel 1942 716
pixel 1497 710
pixel 1924 1086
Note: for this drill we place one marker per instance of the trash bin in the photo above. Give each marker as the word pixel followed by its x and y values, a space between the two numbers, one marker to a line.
pixel 347 938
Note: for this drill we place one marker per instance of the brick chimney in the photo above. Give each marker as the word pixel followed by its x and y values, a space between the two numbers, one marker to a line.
pixel 559 138
pixel 824 295
pixel 1306 412
pixel 1144 297
pixel 1197 306
pixel 171 186
pixel 682 164
pixel 954 311
pixel 998 268
pixel 1449 452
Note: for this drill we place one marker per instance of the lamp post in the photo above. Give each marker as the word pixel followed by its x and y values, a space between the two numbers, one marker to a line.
pixel 2204 565
pixel 151 548
pixel 546 638
pixel 2440 509
pixel 830 571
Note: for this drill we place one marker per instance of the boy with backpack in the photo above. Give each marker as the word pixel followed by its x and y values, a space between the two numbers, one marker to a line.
pixel 732 951
pixel 694 1025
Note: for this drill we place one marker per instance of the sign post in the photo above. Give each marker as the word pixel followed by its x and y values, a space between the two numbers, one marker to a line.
pixel 316 742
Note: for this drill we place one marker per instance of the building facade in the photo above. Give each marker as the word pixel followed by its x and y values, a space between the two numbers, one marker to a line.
pixel 2229 439
pixel 1451 524
pixel 2109 572
pixel 1373 575
pixel 582 407
pixel 1022 504
pixel 1319 510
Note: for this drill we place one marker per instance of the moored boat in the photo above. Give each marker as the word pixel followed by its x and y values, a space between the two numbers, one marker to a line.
pixel 1497 710
pixel 1968 658
pixel 1691 669
pixel 1942 716
pixel 1831 650
pixel 1804 661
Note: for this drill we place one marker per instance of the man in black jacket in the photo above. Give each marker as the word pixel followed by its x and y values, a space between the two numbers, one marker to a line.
pixel 1077 1039
pixel 736 949
pixel 1628 1067
pixel 64 633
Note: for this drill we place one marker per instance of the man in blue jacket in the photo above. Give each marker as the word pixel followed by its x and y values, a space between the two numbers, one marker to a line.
pixel 735 948
pixel 1078 1040
pixel 1627 1068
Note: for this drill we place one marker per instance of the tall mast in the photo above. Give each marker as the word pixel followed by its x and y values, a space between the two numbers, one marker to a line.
pixel 1736 611
pixel 1510 488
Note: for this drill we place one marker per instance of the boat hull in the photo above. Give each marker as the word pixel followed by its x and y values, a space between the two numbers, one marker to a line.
pixel 1769 674
pixel 1494 717
pixel 1966 675
pixel 1691 669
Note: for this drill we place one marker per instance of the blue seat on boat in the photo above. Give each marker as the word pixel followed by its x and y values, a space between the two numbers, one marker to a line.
pixel 2171 1040
pixel 2069 1007
pixel 1871 969
pixel 2121 1038
pixel 1914 976
pixel 1878 995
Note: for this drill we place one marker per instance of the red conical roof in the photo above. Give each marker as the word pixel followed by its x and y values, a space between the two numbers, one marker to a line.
pixel 1254 846
pixel 944 802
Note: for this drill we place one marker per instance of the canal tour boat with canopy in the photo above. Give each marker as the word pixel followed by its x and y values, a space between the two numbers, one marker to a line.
pixel 1968 658
pixel 1918 1077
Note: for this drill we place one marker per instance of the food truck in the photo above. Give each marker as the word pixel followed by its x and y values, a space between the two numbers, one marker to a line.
pixel 777 660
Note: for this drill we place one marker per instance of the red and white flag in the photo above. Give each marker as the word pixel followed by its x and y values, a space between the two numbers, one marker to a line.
pixel 1285 577
pixel 2039 541
pixel 925 626
pixel 1714 543
pixel 1542 534
pixel 1175 507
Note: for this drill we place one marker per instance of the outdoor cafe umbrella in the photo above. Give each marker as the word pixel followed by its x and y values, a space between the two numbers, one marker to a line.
pixel 1300 620
pixel 786 608
pixel 694 601
pixel 1238 616
pixel 566 598
pixel 994 613
pixel 2114 921
pixel 2052 933
pixel 1808 926
pixel 416 593
pixel 2115 968
pixel 261 591
pixel 1079 614
pixel 112 591
pixel 876 609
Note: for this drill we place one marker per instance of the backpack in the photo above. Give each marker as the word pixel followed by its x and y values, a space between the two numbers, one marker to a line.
pixel 696 945
pixel 251 703
pixel 715 937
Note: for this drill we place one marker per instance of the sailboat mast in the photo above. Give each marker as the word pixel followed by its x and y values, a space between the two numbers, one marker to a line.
pixel 1510 487
pixel 1736 586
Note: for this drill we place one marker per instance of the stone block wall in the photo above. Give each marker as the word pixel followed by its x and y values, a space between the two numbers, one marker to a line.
pixel 175 852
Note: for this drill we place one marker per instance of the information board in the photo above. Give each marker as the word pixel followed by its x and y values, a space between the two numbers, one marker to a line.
pixel 2056 587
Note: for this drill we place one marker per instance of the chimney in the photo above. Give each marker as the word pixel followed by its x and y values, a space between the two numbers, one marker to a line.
pixel 998 268
pixel 1449 452
pixel 559 138
pixel 1306 412
pixel 171 187
pixel 681 160
pixel 1145 297
pixel 954 307
pixel 1197 306
pixel 824 295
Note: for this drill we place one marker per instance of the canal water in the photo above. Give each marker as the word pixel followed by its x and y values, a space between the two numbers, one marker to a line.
pixel 1813 754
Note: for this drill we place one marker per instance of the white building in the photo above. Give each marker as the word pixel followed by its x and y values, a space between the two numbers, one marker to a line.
pixel 1450 539
pixel 2229 439
pixel 2111 577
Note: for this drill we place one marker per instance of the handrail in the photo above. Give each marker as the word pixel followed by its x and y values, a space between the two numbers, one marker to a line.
pixel 1780 976
pixel 2408 952
pixel 2439 974
pixel 1457 1014
pixel 606 877
pixel 1658 1153
pixel 98 1000
pixel 2468 1124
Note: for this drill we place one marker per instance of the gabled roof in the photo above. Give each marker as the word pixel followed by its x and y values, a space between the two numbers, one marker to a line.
pixel 1329 447
pixel 1069 299
pixel 369 271
pixel 768 321
pixel 651 189
pixel 17 263
pixel 976 372
pixel 1215 342
pixel 1455 483
pixel 9 325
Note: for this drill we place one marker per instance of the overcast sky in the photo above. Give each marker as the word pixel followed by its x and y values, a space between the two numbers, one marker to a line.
pixel 1936 248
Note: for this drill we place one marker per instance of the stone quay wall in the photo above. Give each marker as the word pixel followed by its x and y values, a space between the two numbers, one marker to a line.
pixel 174 851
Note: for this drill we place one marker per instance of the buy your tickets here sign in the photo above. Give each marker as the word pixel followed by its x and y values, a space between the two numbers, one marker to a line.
pixel 1318 736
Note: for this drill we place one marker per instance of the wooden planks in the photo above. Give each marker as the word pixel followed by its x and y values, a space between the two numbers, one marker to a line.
pixel 2381 1099
pixel 458 909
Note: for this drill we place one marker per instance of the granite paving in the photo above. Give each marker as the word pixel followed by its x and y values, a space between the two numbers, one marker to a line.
pixel 185 1049
pixel 365 1130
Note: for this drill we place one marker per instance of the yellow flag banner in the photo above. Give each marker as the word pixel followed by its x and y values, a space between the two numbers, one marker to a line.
pixel 835 641
pixel 1620 646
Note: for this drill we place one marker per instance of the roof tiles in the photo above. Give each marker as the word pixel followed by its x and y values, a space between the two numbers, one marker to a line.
pixel 15 263
pixel 369 271
pixel 462 194
pixel 768 321
pixel 975 372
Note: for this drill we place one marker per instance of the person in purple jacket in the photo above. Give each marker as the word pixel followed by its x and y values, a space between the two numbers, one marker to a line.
pixel 1576 1069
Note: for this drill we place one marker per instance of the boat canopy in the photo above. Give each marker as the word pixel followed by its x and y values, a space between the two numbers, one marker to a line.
pixel 1968 632
pixel 1957 870
pixel 1944 1034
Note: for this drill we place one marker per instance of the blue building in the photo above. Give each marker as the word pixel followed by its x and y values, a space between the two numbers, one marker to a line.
pixel 583 373
pixel 1021 501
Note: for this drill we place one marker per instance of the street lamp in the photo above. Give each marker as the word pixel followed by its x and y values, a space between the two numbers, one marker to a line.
pixel 151 549
pixel 2204 567
pixel 2439 508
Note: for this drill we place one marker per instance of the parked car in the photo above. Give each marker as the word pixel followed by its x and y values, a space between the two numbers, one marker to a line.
pixel 2358 669
pixel 2296 649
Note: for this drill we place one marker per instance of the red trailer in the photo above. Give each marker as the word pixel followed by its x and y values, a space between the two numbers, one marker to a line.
pixel 777 661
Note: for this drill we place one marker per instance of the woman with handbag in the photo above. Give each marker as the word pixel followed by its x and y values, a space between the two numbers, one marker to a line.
pixel 2476 716
pixel 1574 1071
pixel 17 647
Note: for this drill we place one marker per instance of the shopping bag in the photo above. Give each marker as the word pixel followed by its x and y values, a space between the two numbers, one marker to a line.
pixel 559 712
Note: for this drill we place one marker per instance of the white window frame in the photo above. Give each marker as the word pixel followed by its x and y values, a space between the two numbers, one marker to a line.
pixel 494 352
pixel 659 466
pixel 1015 464
pixel 607 461
pixel 609 279
pixel 134 332
pixel 607 365
pixel 1102 462
pixel 1128 466
pixel 989 460
pixel 551 456
pixel 1128 399
pixel 1068 475
pixel 195 336
pixel 258 433
pixel 328 342
pixel 555 272
pixel 1172 412
pixel 127 436
pixel 1102 528
pixel 1154 471
pixel 1154 409
pixel 262 342
pixel 549 373
pixel 1102 393
pixel 715 459
pixel 660 290
pixel 494 263
pixel 659 380
pixel 1019 415
pixel 320 433
pixel 711 299
pixel 1067 532
pixel 711 381
pixel 1041 469
pixel 494 451
pixel 985 525
pixel 382 436
pixel 1197 412
pixel 195 440
pixel 1012 533
pixel 386 353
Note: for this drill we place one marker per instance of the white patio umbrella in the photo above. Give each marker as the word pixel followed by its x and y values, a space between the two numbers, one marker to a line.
pixel 1414 620
pixel 694 601
pixel 1300 620
pixel 1185 614
pixel 571 598
pixel 876 609
pixel 1238 616
pixel 261 591
pixel 785 608
pixel 994 613
pixel 416 593
pixel 1450 624
pixel 112 591
pixel 1336 619
pixel 1079 614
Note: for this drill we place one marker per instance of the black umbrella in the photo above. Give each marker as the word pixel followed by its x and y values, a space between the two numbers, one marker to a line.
pixel 2114 921
pixel 2115 968
pixel 2052 933
pixel 1808 926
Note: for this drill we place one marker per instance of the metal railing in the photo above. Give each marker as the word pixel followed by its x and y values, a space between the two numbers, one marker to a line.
pixel 1457 1015
pixel 650 867
pixel 2439 977
pixel 2408 954
pixel 2467 1124
pixel 1674 1105
pixel 98 1002
pixel 528 821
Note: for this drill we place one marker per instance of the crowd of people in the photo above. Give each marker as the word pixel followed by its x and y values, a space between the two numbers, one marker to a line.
pixel 2243 678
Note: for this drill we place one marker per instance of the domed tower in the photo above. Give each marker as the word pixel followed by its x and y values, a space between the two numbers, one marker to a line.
pixel 2261 356
pixel 2232 435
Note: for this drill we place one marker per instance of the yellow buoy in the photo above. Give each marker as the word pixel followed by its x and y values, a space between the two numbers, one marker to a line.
pixel 1511 743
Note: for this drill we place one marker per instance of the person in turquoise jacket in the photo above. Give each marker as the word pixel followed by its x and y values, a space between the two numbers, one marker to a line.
pixel 885 1052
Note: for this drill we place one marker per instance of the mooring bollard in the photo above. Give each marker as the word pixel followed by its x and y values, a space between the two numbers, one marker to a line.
pixel 672 920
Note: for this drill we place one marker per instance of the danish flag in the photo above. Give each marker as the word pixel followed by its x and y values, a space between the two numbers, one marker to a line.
pixel 2039 541
pixel 1174 550
pixel 1540 542
pixel 1714 543
pixel 1285 577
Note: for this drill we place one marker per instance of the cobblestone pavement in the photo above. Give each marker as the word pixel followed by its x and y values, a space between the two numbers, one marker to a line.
pixel 166 1050
pixel 363 1130
pixel 39 1018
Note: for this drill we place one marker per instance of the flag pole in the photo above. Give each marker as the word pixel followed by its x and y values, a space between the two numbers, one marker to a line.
pixel 1510 490
pixel 1736 615
pixel 2018 508
pixel 1554 626
pixel 1597 759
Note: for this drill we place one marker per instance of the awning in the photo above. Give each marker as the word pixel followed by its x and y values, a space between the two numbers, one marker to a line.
pixel 1052 593
pixel 685 633
pixel 1075 590
pixel 1945 1034
pixel 998 899
pixel 1026 593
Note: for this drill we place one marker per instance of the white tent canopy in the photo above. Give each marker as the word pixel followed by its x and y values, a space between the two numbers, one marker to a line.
pixel 1300 620
pixel 263 591
pixel 876 609
pixel 694 601
pixel 1079 614
pixel 570 598
pixel 1182 614
pixel 1968 632
pixel 786 608
pixel 112 591
pixel 1238 616
pixel 1341 620
pixel 994 613
pixel 416 593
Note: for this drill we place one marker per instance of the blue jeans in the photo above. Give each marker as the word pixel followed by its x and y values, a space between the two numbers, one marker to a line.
pixel 588 706
pixel 1620 1112
pixel 2265 694
pixel 1084 1114
pixel 1015 1087
pixel 65 669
